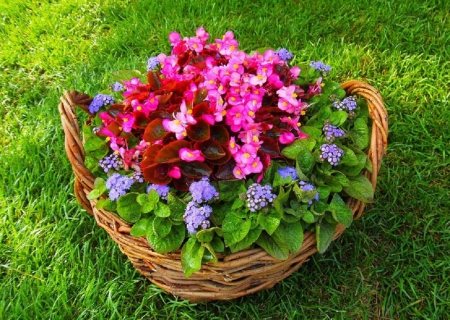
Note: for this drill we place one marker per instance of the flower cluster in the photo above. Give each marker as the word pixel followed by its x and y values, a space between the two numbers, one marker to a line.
pixel 259 197
pixel 309 187
pixel 99 101
pixel 347 104
pixel 197 216
pixel 112 161
pixel 331 153
pixel 118 185
pixel 288 172
pixel 320 66
pixel 197 211
pixel 331 132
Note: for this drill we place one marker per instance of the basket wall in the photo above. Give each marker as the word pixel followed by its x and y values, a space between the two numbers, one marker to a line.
pixel 237 274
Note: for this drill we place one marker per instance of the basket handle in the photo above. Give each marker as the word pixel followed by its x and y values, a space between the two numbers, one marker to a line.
pixel 84 179
pixel 378 143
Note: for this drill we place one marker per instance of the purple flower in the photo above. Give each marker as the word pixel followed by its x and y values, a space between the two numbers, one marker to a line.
pixel 288 172
pixel 348 104
pixel 113 161
pixel 152 63
pixel 99 101
pixel 332 132
pixel 203 191
pixel 320 66
pixel 196 216
pixel 309 187
pixel 138 177
pixel 117 86
pixel 162 190
pixel 259 197
pixel 284 54
pixel 331 153
pixel 118 185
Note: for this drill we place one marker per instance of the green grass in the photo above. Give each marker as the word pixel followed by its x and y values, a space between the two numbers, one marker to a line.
pixel 393 263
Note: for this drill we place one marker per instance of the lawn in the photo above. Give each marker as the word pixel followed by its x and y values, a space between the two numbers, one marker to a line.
pixel 392 263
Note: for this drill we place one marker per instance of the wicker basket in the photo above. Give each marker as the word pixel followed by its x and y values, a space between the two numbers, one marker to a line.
pixel 235 275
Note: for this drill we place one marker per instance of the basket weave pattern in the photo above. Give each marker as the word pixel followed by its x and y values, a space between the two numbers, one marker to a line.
pixel 237 274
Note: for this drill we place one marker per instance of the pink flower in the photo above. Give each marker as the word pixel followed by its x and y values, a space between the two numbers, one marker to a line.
pixel 174 172
pixel 232 146
pixel 202 34
pixel 237 172
pixel 181 121
pixel 287 138
pixel 190 155
pixel 288 94
pixel 294 72
pixel 127 121
pixel 174 38
pixel 316 88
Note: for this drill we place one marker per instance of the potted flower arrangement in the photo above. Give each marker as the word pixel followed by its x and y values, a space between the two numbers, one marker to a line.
pixel 213 152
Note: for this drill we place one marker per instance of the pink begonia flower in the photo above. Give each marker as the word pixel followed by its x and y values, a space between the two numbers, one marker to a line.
pixel 232 146
pixel 294 72
pixel 237 172
pixel 127 121
pixel 195 44
pixel 174 38
pixel 286 106
pixel 181 121
pixel 274 81
pixel 190 155
pixel 255 166
pixel 174 172
pixel 288 94
pixel 234 118
pixel 202 34
pixel 131 86
pixel 258 79
pixel 106 118
pixel 315 88
pixel 287 138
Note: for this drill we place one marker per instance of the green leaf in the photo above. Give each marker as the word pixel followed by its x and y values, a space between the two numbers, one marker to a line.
pixel 277 250
pixel 153 196
pixel 349 158
pixel 309 217
pixel 280 181
pixel 176 206
pixel 290 234
pixel 292 150
pixel 249 239
pixel 94 194
pixel 360 133
pixel 209 254
pixel 128 74
pixel 162 210
pixel 270 221
pixel 220 211
pixel 313 132
pixel 191 257
pixel 100 184
pixel 217 244
pixel 205 235
pixel 169 243
pixel 110 205
pixel 128 208
pixel 341 213
pixel 237 204
pixel 324 235
pixel 337 118
pixel 234 229
pixel 281 199
pixel 161 226
pixel 324 192
pixel 140 228
pixel 230 190
pixel 270 173
pixel 360 188
pixel 142 198
pixel 305 161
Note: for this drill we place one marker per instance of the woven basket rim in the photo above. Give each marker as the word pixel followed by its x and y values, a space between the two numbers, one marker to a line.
pixel 236 274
